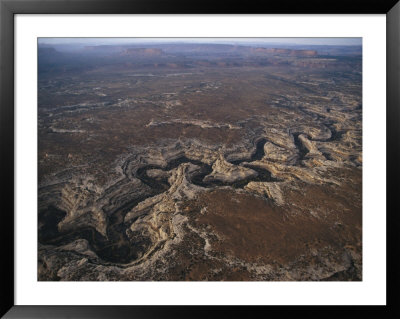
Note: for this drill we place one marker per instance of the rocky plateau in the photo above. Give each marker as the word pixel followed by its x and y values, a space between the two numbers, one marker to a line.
pixel 246 173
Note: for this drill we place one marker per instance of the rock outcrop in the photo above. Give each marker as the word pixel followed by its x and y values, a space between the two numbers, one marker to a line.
pixel 227 172
pixel 271 190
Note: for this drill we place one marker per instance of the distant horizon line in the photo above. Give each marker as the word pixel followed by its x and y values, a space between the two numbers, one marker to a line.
pixel 97 41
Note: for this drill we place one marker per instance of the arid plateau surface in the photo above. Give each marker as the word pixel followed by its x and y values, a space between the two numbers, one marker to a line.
pixel 196 162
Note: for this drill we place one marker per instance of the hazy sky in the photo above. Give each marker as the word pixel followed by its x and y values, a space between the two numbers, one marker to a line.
pixel 302 41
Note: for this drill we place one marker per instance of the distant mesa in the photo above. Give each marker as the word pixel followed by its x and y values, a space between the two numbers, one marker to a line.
pixel 289 52
pixel 46 50
pixel 144 52
pixel 207 48
pixel 48 57
pixel 49 53
pixel 122 50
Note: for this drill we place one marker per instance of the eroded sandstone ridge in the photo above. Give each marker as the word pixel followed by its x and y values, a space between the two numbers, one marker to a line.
pixel 208 176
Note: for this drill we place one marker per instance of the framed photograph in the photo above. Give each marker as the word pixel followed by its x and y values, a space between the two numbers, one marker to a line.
pixel 162 155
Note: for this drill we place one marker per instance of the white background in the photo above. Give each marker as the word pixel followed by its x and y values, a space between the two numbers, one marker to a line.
pixel 372 290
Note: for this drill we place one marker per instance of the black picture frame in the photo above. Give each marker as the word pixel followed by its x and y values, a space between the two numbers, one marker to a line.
pixel 8 8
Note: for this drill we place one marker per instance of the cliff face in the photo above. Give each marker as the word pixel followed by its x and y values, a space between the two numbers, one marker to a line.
pixel 277 51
